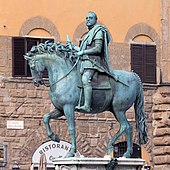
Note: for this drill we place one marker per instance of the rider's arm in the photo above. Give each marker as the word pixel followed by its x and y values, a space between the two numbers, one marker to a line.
pixel 97 49
pixel 98 42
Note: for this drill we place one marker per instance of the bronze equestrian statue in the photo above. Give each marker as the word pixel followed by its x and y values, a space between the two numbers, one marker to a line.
pixel 116 91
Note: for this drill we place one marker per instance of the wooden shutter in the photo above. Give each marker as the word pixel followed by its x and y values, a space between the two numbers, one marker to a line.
pixel 18 50
pixel 143 62
pixel 21 45
pixel 137 59
pixel 31 42
pixel 150 64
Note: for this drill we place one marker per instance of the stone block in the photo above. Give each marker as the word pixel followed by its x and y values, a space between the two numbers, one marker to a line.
pixel 161 141
pixel 18 93
pixel 162 167
pixel 10 109
pixel 93 142
pixel 103 128
pixel 162 107
pixel 21 133
pixel 31 93
pixel 2 110
pixel 165 150
pixel 161 124
pixel 162 159
pixel 93 130
pixel 84 129
pixel 164 89
pixel 10 85
pixel 162 131
pixel 21 85
pixel 11 133
pixel 157 115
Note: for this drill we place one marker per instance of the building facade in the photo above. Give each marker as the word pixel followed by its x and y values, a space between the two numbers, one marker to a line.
pixel 139 41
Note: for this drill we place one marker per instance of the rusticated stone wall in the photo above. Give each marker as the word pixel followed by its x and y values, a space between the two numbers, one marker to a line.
pixel 21 100
pixel 93 131
pixel 161 128
pixel 5 57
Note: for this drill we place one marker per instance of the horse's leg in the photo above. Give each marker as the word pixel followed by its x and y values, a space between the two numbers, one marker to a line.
pixel 69 113
pixel 46 118
pixel 118 134
pixel 128 132
pixel 125 127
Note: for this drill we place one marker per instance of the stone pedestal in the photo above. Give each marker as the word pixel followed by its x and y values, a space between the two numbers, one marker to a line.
pixel 97 163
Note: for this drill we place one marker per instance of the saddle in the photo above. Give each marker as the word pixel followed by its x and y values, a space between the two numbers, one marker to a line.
pixel 100 81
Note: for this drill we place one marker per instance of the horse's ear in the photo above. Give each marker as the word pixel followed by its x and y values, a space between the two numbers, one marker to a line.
pixel 27 58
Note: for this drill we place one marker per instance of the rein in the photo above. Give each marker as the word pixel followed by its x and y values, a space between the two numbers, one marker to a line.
pixel 66 73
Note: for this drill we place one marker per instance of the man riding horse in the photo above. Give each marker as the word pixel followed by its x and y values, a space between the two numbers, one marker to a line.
pixel 64 84
pixel 93 52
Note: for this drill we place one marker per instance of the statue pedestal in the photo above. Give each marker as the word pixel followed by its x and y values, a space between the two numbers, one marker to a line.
pixel 98 163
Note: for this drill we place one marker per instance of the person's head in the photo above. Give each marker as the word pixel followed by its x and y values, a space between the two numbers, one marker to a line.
pixel 91 19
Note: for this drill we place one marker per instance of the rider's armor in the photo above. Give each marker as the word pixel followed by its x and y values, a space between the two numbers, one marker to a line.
pixel 93 59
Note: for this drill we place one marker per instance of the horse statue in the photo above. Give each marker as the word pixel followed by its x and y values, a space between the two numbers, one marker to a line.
pixel 65 94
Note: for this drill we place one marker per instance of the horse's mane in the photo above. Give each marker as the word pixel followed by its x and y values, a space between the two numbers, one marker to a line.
pixel 50 48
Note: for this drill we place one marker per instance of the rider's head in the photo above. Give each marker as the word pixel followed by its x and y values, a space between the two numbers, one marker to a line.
pixel 91 19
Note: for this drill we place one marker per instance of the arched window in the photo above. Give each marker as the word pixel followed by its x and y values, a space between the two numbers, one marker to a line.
pixel 33 31
pixel 145 50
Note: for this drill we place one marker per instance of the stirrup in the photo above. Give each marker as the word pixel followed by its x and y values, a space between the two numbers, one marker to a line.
pixel 85 108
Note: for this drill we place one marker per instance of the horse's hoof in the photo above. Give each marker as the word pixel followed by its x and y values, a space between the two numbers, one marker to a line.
pixel 70 155
pixel 126 155
pixel 54 137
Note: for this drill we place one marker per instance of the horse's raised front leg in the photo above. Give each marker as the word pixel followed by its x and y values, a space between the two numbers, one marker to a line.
pixel 46 118
pixel 69 113
pixel 125 127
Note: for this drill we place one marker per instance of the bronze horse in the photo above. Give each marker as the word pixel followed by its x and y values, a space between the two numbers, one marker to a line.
pixel 64 94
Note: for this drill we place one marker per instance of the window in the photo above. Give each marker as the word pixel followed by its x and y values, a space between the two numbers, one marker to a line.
pixel 120 149
pixel 143 62
pixel 21 45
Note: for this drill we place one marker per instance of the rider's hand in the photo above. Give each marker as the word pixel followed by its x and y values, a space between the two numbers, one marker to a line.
pixel 70 45
pixel 80 53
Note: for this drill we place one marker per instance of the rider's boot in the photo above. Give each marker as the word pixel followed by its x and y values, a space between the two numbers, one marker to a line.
pixel 87 98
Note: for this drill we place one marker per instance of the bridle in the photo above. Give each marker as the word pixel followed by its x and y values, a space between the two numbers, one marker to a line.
pixel 42 82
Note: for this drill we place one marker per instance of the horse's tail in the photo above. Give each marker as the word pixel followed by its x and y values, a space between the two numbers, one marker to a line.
pixel 140 115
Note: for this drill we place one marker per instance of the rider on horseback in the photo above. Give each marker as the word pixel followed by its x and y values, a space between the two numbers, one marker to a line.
pixel 93 52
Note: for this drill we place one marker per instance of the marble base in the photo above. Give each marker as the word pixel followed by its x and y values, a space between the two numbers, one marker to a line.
pixel 97 163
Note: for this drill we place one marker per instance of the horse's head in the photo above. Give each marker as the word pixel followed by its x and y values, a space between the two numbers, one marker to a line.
pixel 37 68
pixel 46 55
